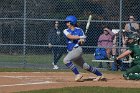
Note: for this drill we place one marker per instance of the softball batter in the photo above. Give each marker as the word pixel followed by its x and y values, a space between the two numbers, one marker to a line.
pixel 75 36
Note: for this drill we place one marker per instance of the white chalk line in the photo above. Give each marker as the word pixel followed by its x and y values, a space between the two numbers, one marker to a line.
pixel 28 83
pixel 23 84
pixel 47 77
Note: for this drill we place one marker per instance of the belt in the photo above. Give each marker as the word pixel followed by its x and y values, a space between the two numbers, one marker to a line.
pixel 75 47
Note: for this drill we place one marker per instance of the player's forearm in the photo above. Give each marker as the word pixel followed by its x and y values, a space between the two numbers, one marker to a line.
pixel 126 28
pixel 73 37
pixel 126 53
pixel 137 28
pixel 76 37
pixel 111 33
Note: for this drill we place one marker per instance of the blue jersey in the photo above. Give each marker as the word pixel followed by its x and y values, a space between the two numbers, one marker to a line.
pixel 73 43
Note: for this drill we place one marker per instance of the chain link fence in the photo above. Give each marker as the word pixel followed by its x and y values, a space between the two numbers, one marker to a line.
pixel 25 26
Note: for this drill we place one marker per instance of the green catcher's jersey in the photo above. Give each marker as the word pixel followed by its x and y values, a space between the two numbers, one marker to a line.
pixel 135 53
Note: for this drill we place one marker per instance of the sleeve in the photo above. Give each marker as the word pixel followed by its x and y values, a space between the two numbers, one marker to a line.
pixel 137 27
pixel 131 48
pixel 66 32
pixel 111 33
pixel 126 28
pixel 82 33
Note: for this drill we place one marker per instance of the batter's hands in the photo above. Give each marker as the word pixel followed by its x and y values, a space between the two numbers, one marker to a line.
pixel 83 37
pixel 50 45
pixel 81 41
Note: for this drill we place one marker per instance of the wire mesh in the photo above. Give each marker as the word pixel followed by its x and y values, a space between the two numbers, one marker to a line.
pixel 25 26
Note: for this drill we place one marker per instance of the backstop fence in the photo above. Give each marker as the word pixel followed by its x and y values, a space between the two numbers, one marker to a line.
pixel 25 26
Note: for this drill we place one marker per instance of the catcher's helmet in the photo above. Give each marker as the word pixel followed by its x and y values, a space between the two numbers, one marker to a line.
pixel 72 19
pixel 135 38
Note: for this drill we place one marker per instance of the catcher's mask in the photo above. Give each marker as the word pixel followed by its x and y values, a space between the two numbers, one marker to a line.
pixel 133 37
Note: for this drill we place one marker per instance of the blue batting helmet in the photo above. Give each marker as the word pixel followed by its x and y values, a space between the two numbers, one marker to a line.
pixel 72 19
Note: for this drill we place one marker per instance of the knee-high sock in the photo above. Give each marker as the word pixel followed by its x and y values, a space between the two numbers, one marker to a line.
pixel 72 67
pixel 94 70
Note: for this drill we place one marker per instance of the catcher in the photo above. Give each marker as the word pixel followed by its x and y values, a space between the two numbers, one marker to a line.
pixel 133 73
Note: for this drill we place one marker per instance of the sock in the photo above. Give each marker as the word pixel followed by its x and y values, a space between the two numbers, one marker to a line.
pixel 72 67
pixel 95 71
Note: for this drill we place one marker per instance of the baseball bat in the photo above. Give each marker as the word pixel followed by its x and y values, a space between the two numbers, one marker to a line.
pixel 87 27
pixel 88 23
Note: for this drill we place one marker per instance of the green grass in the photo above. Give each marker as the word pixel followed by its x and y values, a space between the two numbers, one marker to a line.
pixel 36 58
pixel 51 70
pixel 87 90
pixel 32 70
pixel 10 58
pixel 28 58
pixel 39 59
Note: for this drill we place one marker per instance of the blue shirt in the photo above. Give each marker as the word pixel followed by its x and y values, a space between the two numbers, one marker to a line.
pixel 73 43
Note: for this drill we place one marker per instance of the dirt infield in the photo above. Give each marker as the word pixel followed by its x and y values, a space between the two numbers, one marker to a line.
pixel 24 81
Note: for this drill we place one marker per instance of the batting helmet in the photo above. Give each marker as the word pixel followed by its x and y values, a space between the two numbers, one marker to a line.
pixel 72 19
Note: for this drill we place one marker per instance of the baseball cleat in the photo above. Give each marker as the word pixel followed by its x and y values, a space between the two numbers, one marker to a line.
pixel 78 78
pixel 98 78
pixel 55 67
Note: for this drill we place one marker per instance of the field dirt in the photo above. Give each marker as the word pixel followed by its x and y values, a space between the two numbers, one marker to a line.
pixel 25 81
